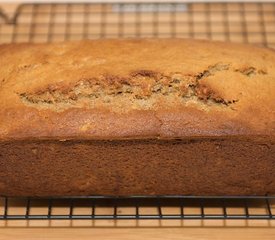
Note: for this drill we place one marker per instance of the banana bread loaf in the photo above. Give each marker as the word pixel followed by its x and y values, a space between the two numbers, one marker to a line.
pixel 137 117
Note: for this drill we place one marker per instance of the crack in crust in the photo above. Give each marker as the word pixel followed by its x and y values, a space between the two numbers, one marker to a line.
pixel 141 89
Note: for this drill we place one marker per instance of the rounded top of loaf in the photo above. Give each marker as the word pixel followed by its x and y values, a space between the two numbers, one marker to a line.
pixel 149 88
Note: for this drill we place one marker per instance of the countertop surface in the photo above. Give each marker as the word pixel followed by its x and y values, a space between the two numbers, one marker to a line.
pixel 155 232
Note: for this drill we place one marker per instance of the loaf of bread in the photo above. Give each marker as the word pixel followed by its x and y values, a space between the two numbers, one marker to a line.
pixel 137 117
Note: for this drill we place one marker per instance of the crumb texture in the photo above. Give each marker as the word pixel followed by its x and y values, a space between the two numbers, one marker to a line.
pixel 140 89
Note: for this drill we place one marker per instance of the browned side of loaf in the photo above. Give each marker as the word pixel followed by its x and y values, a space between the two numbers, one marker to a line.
pixel 217 166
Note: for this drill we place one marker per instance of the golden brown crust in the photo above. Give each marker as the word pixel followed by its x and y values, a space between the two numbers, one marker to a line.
pixel 136 89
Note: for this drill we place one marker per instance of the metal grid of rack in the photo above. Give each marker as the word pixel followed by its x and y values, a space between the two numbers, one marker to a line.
pixel 237 22
pixel 127 208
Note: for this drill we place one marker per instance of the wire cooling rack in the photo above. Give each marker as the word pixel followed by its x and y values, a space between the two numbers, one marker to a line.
pixel 236 22
pixel 127 208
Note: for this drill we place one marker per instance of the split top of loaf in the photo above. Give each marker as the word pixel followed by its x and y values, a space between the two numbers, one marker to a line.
pixel 151 88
